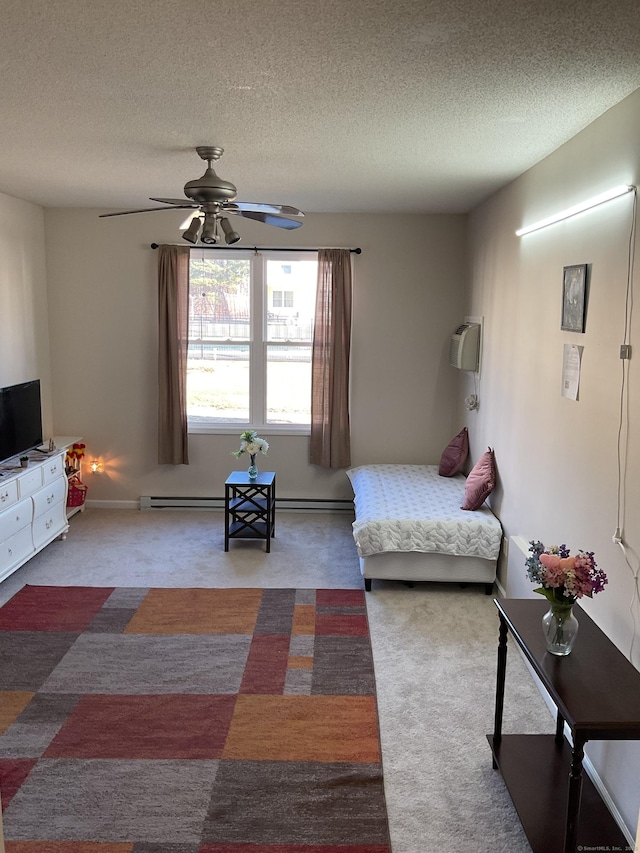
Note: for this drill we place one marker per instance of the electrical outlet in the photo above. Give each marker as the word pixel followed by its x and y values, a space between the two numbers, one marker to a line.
pixel 625 351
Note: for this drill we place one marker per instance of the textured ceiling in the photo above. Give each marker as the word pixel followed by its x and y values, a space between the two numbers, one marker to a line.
pixel 335 105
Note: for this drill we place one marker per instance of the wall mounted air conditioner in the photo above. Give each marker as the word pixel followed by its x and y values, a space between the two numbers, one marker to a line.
pixel 464 348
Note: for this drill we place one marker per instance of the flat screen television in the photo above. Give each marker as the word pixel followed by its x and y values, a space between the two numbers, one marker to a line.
pixel 20 419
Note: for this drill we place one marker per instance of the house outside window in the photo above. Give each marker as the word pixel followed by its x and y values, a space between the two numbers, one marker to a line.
pixel 250 336
pixel 282 298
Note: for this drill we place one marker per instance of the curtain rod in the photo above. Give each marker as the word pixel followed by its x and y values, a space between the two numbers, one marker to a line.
pixel 250 248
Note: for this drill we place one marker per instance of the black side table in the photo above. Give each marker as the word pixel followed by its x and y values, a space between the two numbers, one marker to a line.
pixel 250 507
pixel 596 691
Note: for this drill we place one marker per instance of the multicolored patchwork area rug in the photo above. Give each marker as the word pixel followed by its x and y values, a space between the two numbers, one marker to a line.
pixel 189 721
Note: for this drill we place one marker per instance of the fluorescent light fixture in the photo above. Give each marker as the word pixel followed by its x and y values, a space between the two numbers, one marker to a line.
pixel 615 192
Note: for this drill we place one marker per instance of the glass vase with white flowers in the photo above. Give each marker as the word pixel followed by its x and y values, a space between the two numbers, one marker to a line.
pixel 251 443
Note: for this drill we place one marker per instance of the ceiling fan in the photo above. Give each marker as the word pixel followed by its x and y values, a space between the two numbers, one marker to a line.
pixel 214 199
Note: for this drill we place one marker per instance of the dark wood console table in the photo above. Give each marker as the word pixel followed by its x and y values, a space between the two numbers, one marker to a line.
pixel 596 691
pixel 250 507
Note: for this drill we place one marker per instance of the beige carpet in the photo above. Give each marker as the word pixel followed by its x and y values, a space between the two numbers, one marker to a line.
pixel 434 648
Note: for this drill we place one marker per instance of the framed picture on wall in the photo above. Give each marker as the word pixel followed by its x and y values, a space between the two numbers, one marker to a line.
pixel 574 298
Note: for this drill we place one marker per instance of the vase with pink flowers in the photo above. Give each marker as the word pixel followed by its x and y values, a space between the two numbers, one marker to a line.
pixel 563 579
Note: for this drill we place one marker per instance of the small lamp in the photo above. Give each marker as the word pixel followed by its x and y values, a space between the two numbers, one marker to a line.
pixel 95 466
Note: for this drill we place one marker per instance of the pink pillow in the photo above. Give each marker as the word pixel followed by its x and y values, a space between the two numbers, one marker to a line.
pixel 480 481
pixel 455 454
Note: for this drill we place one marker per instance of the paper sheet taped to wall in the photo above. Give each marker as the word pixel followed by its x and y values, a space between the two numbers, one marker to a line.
pixel 571 361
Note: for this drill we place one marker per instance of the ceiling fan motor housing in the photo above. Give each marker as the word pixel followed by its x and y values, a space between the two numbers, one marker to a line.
pixel 210 188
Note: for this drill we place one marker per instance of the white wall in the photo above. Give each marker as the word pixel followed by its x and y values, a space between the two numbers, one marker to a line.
pixel 408 297
pixel 557 459
pixel 24 335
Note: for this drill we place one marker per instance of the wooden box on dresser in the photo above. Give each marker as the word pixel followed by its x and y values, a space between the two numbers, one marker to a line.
pixel 33 507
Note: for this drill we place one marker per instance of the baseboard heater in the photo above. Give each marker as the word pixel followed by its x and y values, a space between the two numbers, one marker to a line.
pixel 217 503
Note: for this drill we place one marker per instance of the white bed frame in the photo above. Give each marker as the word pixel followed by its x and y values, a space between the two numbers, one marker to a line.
pixel 417 566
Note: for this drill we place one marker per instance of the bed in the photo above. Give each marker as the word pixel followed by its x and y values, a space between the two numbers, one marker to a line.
pixel 409 527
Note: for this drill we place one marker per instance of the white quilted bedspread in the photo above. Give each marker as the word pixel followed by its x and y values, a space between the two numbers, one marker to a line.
pixel 413 508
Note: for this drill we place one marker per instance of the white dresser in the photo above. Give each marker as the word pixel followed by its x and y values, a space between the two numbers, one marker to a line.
pixel 32 509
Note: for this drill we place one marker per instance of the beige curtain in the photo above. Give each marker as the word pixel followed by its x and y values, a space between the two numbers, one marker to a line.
pixel 173 319
pixel 330 439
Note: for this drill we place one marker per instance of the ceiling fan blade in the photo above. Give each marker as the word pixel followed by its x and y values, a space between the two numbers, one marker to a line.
pixel 268 218
pixel 143 210
pixel 178 202
pixel 259 207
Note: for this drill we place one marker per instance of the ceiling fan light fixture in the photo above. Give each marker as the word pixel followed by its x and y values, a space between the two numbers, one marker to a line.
pixel 191 234
pixel 210 234
pixel 230 236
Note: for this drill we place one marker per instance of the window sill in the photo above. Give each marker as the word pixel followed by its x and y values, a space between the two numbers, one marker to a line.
pixel 264 430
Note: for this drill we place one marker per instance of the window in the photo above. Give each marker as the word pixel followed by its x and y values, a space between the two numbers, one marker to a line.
pixel 250 337
pixel 282 298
